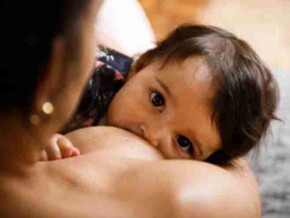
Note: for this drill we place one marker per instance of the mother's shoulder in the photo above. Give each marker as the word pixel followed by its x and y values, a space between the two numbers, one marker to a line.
pixel 199 189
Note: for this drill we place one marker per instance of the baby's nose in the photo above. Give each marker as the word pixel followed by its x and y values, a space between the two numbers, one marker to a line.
pixel 155 143
pixel 150 135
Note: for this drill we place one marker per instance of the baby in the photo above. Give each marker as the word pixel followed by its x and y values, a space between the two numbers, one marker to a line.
pixel 201 94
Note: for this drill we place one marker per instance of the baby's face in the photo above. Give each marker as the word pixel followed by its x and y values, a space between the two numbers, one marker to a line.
pixel 170 108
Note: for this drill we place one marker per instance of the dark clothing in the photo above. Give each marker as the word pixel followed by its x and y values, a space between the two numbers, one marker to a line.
pixel 107 78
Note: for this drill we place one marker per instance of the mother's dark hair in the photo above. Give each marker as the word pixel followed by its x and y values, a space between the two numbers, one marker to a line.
pixel 246 92
pixel 27 32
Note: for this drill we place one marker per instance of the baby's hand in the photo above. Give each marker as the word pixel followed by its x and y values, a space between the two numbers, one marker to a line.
pixel 58 147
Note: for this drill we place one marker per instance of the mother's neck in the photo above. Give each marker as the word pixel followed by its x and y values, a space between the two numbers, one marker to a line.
pixel 19 147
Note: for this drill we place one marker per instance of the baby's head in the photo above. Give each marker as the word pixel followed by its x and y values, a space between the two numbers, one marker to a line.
pixel 202 93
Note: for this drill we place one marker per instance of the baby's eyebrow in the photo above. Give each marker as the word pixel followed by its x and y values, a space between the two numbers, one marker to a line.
pixel 164 86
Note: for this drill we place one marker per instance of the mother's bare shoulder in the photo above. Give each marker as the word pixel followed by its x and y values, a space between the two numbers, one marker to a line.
pixel 182 188
pixel 199 189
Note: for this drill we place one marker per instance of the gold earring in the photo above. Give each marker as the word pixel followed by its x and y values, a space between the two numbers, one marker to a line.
pixel 47 108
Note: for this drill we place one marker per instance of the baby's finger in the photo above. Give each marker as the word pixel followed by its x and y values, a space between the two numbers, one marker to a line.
pixel 66 147
pixel 76 152
pixel 53 151
pixel 43 156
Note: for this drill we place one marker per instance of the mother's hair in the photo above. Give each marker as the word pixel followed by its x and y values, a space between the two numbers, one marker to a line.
pixel 27 32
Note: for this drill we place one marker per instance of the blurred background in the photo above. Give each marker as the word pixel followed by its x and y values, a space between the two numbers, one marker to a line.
pixel 265 25
pixel 262 23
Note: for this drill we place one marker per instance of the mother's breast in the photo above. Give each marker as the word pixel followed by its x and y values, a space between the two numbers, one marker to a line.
pixel 112 141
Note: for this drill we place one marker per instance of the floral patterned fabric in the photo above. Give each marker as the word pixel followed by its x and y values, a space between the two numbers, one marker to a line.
pixel 108 77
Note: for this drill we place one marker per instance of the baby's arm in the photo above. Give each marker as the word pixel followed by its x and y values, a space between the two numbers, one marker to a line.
pixel 58 147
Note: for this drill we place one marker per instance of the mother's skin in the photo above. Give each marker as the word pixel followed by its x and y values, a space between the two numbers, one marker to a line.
pixel 135 180
pixel 125 177
pixel 120 175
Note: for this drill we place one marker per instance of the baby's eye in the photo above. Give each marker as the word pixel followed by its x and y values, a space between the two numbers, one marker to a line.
pixel 157 99
pixel 185 144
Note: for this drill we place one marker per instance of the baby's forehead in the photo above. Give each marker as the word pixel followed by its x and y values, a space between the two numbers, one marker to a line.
pixel 195 66
pixel 193 73
pixel 198 67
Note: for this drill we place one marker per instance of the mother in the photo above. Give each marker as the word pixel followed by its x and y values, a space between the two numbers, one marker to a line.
pixel 49 52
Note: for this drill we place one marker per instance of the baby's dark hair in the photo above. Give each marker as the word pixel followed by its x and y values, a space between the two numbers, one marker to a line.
pixel 246 93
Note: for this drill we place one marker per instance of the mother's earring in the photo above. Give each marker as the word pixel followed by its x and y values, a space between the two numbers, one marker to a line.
pixel 46 110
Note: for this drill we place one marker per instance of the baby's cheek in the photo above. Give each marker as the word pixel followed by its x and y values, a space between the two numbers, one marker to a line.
pixel 117 113
pixel 121 115
pixel 128 106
